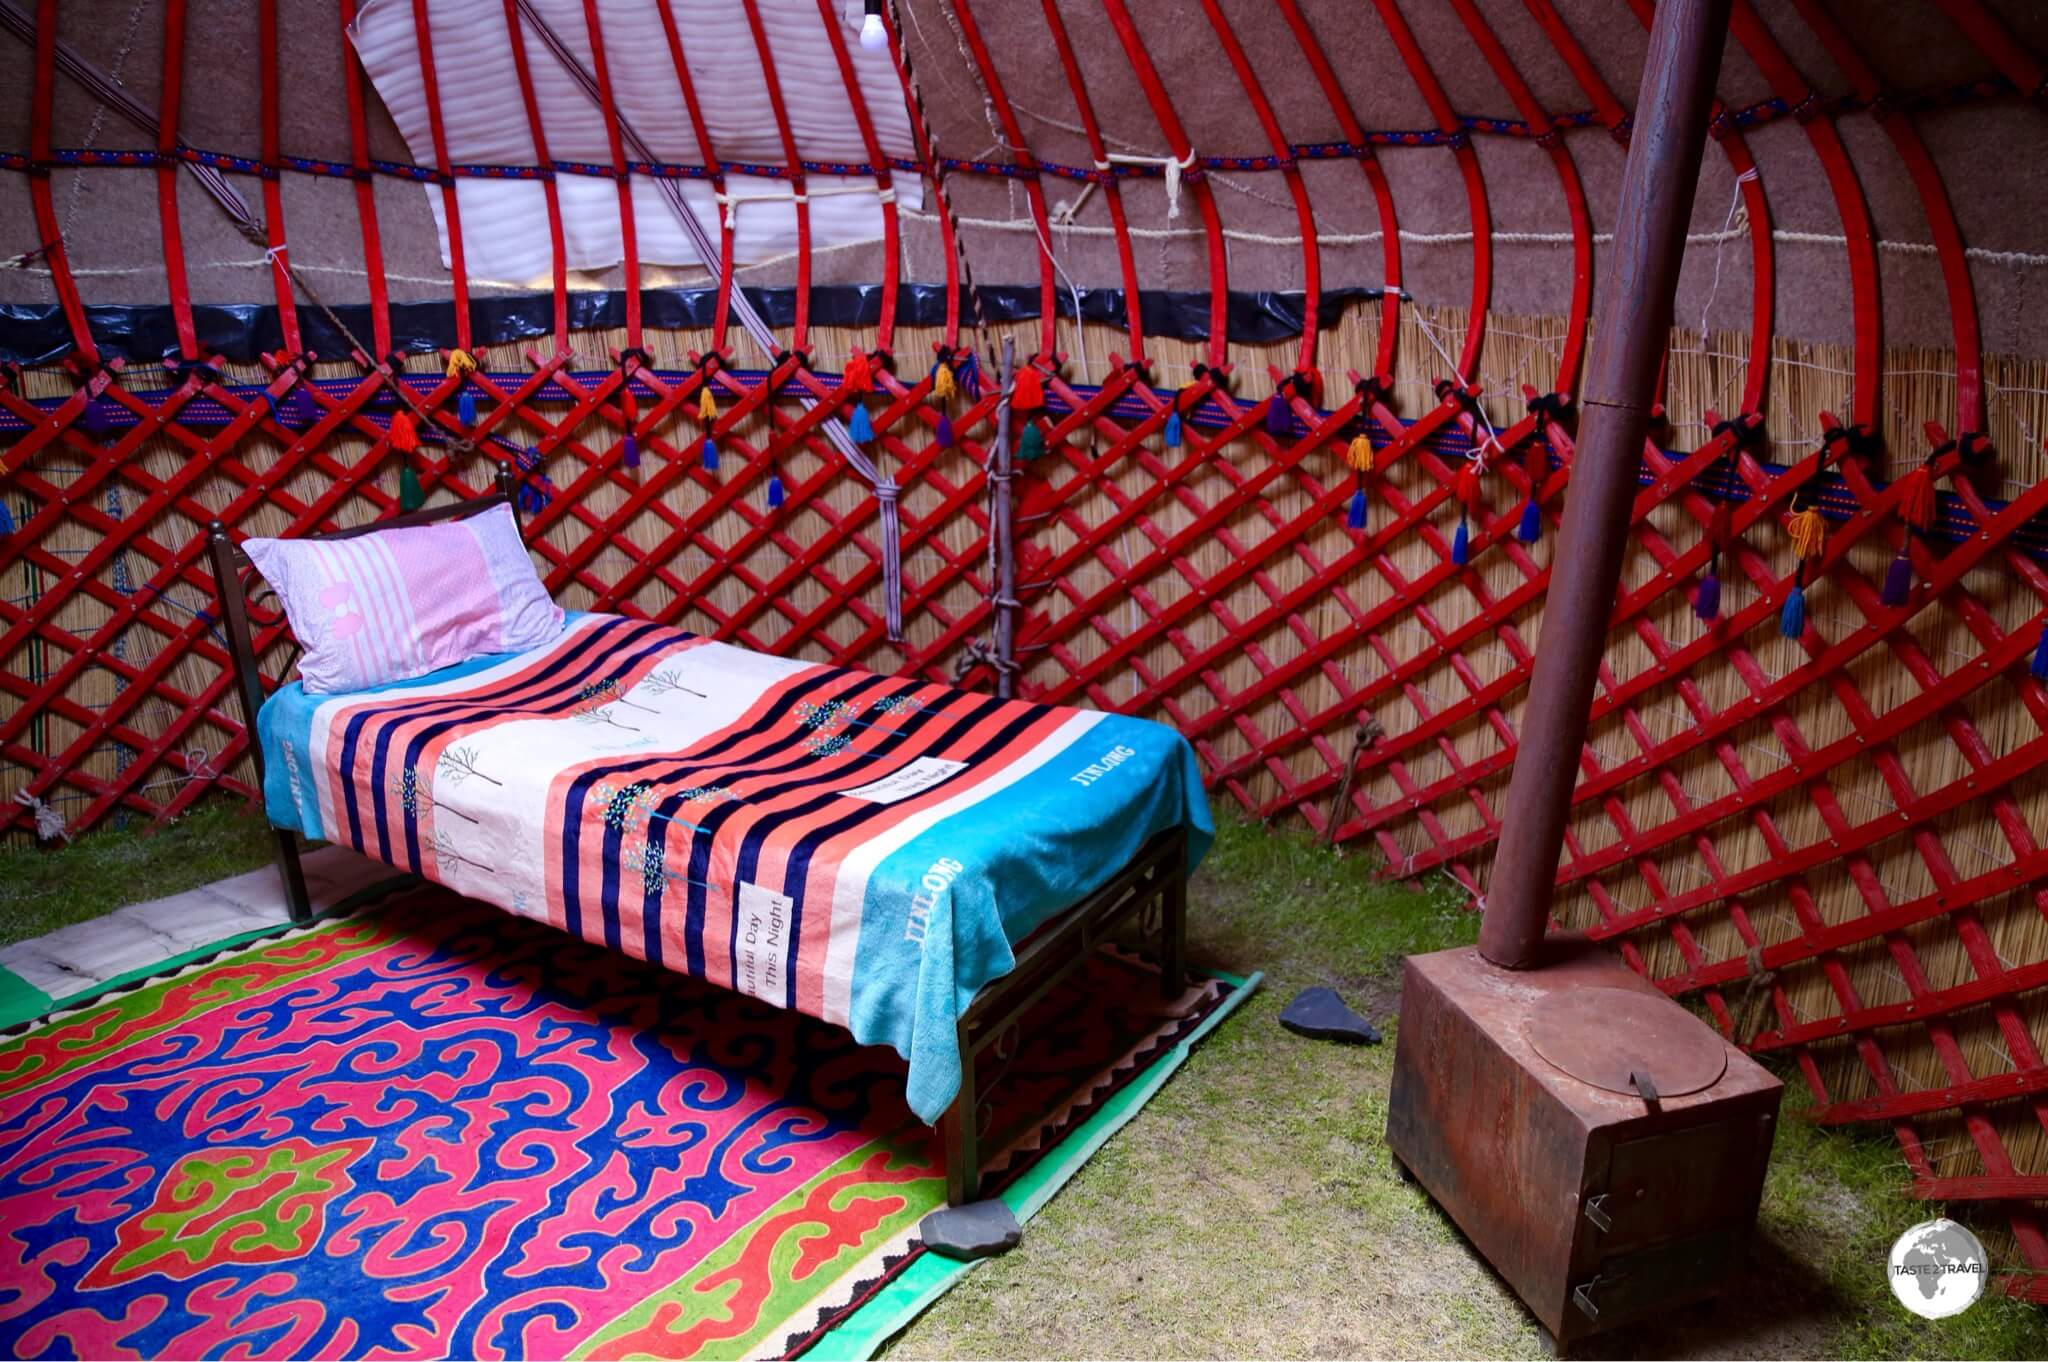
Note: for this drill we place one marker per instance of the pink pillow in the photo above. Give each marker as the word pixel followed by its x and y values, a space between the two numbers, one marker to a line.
pixel 403 602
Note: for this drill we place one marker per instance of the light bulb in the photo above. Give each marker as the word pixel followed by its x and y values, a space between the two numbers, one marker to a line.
pixel 874 34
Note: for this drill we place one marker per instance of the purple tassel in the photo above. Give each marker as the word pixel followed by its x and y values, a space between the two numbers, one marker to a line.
pixel 710 455
pixel 1279 420
pixel 1461 545
pixel 1898 581
pixel 1356 518
pixel 774 490
pixel 1792 620
pixel 2040 667
pixel 93 420
pixel 298 407
pixel 944 434
pixel 1707 604
pixel 1531 528
pixel 632 451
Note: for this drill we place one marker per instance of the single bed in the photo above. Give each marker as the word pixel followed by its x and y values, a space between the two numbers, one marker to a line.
pixel 915 863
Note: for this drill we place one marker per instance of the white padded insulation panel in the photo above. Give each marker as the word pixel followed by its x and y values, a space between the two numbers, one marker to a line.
pixel 504 222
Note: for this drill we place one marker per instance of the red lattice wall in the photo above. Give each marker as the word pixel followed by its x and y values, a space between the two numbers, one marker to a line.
pixel 1832 841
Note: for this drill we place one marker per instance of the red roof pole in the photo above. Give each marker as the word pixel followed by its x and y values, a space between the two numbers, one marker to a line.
pixel 1628 344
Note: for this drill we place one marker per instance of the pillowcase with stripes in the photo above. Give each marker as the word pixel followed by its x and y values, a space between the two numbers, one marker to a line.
pixel 400 603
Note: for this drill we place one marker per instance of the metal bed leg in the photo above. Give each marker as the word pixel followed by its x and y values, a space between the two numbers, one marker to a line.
pixel 296 899
pixel 1173 931
pixel 960 1130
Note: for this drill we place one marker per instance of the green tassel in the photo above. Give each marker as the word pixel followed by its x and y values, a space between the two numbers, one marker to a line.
pixel 1032 446
pixel 411 496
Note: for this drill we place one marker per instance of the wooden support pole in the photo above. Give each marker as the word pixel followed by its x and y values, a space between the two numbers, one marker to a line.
pixel 1628 343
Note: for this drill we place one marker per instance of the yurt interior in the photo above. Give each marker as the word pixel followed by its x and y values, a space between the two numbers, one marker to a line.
pixel 1139 678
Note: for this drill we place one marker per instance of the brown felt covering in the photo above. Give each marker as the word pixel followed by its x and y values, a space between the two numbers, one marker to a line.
pixel 1988 155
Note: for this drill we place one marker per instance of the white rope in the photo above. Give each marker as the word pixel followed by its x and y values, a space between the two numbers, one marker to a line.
pixel 1175 168
pixel 2015 259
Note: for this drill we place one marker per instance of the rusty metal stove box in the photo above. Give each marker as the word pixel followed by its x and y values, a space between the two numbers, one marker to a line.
pixel 1598 1206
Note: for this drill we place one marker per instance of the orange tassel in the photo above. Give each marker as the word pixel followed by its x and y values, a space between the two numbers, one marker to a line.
pixel 405 437
pixel 1809 531
pixel 1916 500
pixel 1359 454
pixel 1027 393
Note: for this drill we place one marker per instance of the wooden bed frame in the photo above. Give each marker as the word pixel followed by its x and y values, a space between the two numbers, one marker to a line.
pixel 1150 892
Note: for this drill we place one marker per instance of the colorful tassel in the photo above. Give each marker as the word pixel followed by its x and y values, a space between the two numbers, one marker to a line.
pixel 944 433
pixel 405 436
pixel 969 374
pixel 709 456
pixel 1027 392
pixel 707 404
pixel 1916 500
pixel 465 407
pixel 2039 669
pixel 1898 580
pixel 774 490
pixel 1279 416
pixel 1356 518
pixel 859 427
pixel 1032 445
pixel 1172 434
pixel 1707 602
pixel 859 377
pixel 943 386
pixel 1531 528
pixel 1461 544
pixel 1792 620
pixel 631 446
pixel 1809 531
pixel 411 496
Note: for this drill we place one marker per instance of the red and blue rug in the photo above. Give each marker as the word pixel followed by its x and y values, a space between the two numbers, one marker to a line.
pixel 439 1130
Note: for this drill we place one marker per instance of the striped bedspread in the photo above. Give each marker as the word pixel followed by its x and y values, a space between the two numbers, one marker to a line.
pixel 863 849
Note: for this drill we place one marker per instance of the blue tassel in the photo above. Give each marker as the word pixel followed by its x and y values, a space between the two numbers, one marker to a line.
pixel 1531 528
pixel 2039 669
pixel 774 490
pixel 1461 545
pixel 859 427
pixel 276 413
pixel 1279 420
pixel 1173 429
pixel 1356 518
pixel 6 521
pixel 1707 604
pixel 1792 621
pixel 710 455
pixel 632 451
pixel 1898 581
pixel 945 431
pixel 465 407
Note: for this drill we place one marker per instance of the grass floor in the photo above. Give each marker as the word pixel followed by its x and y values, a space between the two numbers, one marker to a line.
pixel 1251 1209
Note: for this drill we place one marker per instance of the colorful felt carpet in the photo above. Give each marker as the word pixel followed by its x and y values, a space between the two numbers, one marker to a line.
pixel 439 1130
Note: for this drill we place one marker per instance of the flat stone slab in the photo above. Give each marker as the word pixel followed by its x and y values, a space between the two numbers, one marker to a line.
pixel 980 1229
pixel 83 956
pixel 1321 1015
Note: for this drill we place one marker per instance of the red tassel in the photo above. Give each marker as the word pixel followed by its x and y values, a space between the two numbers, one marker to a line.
pixel 859 377
pixel 405 437
pixel 1466 488
pixel 1028 392
pixel 1916 502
